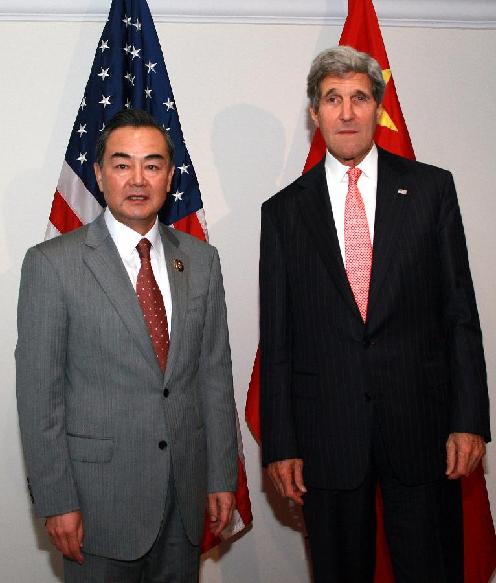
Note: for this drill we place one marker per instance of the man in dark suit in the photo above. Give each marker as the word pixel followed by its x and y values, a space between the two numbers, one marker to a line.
pixel 124 381
pixel 372 362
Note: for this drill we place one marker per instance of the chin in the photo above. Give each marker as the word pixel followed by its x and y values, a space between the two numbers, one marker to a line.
pixel 346 157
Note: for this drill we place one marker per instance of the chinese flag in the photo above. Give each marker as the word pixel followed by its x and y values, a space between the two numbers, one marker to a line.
pixel 361 31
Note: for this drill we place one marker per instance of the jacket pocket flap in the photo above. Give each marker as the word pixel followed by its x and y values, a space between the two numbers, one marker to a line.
pixel 90 449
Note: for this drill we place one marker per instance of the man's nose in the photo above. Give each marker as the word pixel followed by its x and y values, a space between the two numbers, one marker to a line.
pixel 347 111
pixel 138 176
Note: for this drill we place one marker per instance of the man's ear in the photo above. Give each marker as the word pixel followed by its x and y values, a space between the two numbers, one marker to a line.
pixel 314 116
pixel 378 113
pixel 98 175
pixel 172 169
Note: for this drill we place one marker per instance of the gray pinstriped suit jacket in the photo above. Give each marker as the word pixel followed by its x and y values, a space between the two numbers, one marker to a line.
pixel 93 403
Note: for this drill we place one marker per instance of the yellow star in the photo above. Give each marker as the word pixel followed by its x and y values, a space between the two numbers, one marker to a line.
pixel 385 120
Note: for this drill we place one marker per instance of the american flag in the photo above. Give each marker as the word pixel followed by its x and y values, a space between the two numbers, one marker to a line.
pixel 129 71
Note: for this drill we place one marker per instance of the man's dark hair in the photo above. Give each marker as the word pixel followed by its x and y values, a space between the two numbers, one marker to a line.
pixel 136 118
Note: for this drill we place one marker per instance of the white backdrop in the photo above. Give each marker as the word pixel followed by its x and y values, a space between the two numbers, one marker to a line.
pixel 240 91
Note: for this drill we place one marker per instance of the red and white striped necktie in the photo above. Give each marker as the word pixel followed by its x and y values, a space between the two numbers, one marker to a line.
pixel 357 245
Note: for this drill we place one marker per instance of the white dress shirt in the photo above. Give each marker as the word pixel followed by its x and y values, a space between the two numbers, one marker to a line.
pixel 337 184
pixel 125 240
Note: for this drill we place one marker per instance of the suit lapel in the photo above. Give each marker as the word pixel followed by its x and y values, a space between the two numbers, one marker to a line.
pixel 178 266
pixel 103 260
pixel 393 198
pixel 316 212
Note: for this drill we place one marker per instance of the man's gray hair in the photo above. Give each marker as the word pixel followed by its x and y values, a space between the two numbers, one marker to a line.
pixel 338 61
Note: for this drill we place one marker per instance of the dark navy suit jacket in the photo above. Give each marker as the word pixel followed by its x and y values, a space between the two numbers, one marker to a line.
pixel 416 367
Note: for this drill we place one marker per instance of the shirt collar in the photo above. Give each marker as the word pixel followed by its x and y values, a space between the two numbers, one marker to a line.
pixel 125 238
pixel 338 171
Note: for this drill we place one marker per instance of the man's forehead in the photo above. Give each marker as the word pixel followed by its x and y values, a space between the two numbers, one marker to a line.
pixel 136 141
pixel 350 81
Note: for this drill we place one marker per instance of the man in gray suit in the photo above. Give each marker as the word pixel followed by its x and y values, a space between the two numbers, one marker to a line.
pixel 127 422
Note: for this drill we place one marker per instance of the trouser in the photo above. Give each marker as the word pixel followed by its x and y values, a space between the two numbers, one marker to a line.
pixel 423 524
pixel 172 558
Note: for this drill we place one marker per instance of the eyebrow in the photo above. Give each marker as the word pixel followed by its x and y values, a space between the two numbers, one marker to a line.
pixel 128 156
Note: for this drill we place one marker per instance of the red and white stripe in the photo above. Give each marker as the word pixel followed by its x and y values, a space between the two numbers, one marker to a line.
pixel 73 204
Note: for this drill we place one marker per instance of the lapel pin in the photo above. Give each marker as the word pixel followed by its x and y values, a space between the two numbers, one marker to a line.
pixel 178 264
pixel 402 191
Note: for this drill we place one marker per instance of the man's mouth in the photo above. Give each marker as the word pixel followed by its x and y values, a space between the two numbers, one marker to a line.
pixel 137 197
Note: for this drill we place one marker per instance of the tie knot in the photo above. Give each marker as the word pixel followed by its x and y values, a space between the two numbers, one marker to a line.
pixel 143 248
pixel 353 175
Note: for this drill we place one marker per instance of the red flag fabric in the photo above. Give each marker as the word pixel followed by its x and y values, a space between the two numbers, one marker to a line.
pixel 361 31
pixel 252 406
pixel 145 85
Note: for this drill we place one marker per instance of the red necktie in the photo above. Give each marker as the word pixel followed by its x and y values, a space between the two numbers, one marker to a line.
pixel 357 245
pixel 152 304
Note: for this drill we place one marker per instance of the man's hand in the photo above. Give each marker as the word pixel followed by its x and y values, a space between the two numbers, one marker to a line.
pixel 220 509
pixel 66 534
pixel 464 451
pixel 287 476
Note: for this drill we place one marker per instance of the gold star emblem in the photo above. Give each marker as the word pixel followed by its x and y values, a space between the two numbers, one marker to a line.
pixel 385 120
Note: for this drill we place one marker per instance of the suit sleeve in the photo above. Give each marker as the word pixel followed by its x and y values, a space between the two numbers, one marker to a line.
pixel 219 410
pixel 469 395
pixel 42 322
pixel 278 438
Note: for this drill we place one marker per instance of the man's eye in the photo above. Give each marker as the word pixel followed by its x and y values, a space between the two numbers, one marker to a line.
pixel 333 99
pixel 152 167
pixel 361 98
pixel 122 166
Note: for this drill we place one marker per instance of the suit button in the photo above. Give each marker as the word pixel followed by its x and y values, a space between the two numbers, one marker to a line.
pixel 166 393
pixel 366 343
pixel 162 444
pixel 367 396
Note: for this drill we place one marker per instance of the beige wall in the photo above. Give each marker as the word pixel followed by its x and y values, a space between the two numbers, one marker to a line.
pixel 240 95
